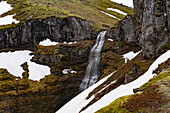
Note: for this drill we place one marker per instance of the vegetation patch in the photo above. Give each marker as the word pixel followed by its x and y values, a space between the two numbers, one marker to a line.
pixel 156 79
pixel 150 100
pixel 89 10
pixel 153 99
pixel 118 106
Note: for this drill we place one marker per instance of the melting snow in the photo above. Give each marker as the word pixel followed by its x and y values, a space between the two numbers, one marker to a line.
pixel 117 10
pixel 130 55
pixel 110 15
pixel 77 103
pixel 7 20
pixel 4 7
pixel 110 39
pixel 48 42
pixel 66 71
pixel 12 61
pixel 128 3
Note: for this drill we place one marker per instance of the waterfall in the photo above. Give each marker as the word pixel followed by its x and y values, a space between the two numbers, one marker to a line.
pixel 92 71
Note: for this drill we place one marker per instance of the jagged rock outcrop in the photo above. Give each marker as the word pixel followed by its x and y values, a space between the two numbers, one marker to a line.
pixel 152 18
pixel 57 29
pixel 126 31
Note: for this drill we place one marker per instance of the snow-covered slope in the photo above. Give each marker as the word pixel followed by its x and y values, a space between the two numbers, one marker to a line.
pixel 12 61
pixel 77 103
pixel 4 7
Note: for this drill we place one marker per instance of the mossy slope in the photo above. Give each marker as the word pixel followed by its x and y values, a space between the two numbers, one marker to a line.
pixel 153 99
pixel 89 10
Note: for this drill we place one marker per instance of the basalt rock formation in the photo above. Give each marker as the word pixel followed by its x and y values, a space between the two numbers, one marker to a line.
pixel 152 18
pixel 56 29
pixel 126 31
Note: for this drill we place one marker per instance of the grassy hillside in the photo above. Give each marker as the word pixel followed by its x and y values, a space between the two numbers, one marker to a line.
pixel 85 9
pixel 153 93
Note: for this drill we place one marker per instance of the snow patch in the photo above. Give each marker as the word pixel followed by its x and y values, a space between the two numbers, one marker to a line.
pixel 4 7
pixel 110 15
pixel 130 55
pixel 128 3
pixel 8 20
pixel 110 39
pixel 12 61
pixel 48 42
pixel 117 10
pixel 70 42
pixel 67 71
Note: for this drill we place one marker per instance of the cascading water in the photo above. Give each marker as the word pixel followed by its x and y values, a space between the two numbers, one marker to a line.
pixel 92 71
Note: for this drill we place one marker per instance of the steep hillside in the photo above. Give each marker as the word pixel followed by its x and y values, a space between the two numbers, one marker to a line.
pixel 153 93
pixel 84 9
pixel 127 44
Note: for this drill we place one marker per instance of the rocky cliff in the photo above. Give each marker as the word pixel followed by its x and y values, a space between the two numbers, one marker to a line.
pixel 152 18
pixel 57 29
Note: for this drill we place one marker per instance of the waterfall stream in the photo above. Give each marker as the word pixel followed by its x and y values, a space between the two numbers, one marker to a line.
pixel 92 71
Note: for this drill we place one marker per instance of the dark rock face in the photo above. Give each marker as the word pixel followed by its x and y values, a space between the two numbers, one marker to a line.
pixel 33 31
pixel 126 31
pixel 153 23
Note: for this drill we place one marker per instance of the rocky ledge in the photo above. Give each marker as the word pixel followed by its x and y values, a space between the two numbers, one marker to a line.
pixel 56 29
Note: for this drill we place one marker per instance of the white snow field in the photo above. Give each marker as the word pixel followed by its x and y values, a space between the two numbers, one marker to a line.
pixel 130 55
pixel 12 61
pixel 128 3
pixel 5 7
pixel 117 10
pixel 48 42
pixel 77 103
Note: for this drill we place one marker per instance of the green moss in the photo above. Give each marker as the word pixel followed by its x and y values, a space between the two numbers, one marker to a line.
pixel 165 46
pixel 158 14
pixel 5 75
pixel 25 74
pixel 89 10
pixel 118 106
pixel 23 85
pixel 7 86
pixel 158 2
pixel 164 75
